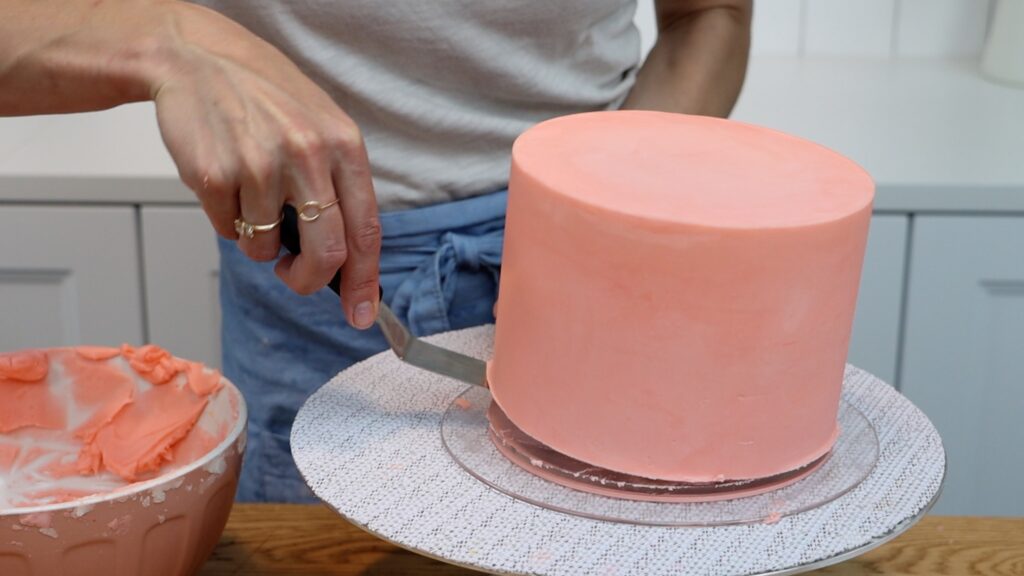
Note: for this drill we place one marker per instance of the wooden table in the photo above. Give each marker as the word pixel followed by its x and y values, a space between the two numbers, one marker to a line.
pixel 275 539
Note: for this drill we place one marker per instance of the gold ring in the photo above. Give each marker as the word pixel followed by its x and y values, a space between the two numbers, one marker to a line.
pixel 249 230
pixel 311 210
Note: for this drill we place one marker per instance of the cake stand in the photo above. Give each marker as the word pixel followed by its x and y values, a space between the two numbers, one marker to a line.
pixel 481 439
pixel 369 444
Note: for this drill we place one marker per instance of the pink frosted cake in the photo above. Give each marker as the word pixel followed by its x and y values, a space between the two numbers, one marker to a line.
pixel 677 294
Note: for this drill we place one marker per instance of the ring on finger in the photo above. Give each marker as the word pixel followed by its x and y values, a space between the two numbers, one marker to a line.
pixel 311 210
pixel 249 229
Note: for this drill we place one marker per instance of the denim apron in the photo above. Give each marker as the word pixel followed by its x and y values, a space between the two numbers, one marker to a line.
pixel 439 271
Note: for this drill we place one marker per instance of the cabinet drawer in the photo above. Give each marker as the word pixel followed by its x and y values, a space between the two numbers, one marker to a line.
pixel 181 268
pixel 963 354
pixel 69 275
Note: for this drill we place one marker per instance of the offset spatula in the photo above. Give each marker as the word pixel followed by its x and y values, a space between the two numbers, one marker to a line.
pixel 407 347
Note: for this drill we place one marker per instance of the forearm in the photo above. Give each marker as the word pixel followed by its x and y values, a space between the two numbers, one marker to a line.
pixel 698 64
pixel 77 55
pixel 247 130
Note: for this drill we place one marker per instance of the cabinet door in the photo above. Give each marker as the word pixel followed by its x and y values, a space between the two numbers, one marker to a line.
pixel 876 327
pixel 181 266
pixel 963 358
pixel 69 275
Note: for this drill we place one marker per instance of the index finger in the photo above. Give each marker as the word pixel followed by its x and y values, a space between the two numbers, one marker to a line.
pixel 360 275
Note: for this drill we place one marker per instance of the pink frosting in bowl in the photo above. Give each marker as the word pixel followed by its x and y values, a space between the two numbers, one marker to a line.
pixel 125 457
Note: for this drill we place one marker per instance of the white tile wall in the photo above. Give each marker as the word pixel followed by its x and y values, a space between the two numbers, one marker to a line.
pixel 776 27
pixel 849 27
pixel 123 141
pixel 941 27
pixel 866 28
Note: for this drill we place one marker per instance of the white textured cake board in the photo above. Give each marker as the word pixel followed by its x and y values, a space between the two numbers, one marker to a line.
pixel 369 444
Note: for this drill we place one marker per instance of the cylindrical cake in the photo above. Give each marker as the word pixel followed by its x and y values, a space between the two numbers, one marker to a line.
pixel 677 293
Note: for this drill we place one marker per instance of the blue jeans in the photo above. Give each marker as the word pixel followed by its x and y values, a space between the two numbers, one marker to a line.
pixel 439 271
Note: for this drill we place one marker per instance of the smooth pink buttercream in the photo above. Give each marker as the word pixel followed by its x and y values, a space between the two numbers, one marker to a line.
pixel 677 293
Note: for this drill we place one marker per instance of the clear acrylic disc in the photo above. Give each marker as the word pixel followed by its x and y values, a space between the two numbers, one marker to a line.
pixel 518 466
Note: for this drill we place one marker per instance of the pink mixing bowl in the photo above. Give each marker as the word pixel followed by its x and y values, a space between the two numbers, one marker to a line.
pixel 166 526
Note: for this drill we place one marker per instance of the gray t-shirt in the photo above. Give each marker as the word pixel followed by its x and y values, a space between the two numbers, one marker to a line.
pixel 441 88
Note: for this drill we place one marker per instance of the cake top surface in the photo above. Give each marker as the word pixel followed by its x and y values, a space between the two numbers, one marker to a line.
pixel 692 169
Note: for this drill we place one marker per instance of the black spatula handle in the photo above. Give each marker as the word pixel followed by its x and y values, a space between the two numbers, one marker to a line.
pixel 290 240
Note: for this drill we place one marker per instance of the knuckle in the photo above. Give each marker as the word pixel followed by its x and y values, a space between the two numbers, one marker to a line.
pixel 367 236
pixel 347 139
pixel 260 253
pixel 264 255
pixel 364 285
pixel 226 232
pixel 224 227
pixel 192 177
pixel 304 143
pixel 304 287
pixel 330 258
pixel 258 167
pixel 209 178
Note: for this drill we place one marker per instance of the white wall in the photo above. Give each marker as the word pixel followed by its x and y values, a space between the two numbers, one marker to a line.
pixel 125 141
pixel 864 28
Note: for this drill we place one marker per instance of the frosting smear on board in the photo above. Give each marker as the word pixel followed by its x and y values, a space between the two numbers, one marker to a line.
pixel 75 422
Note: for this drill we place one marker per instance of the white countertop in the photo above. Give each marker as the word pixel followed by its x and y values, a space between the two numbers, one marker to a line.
pixel 935 135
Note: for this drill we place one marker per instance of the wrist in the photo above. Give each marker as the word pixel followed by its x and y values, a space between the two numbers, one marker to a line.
pixel 151 52
pixel 72 56
pixel 127 47
pixel 181 38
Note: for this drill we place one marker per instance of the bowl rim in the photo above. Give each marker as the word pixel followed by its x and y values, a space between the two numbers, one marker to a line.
pixel 133 489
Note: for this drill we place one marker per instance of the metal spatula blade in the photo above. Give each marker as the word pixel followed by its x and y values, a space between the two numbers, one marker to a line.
pixel 428 356
pixel 406 346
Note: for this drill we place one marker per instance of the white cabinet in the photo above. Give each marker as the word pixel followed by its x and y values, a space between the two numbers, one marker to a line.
pixel 69 275
pixel 963 359
pixel 181 268
pixel 876 327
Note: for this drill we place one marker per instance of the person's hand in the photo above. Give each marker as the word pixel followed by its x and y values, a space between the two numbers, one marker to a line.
pixel 247 130
pixel 250 132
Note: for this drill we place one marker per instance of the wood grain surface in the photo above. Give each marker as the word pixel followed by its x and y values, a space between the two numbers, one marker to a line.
pixel 311 540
